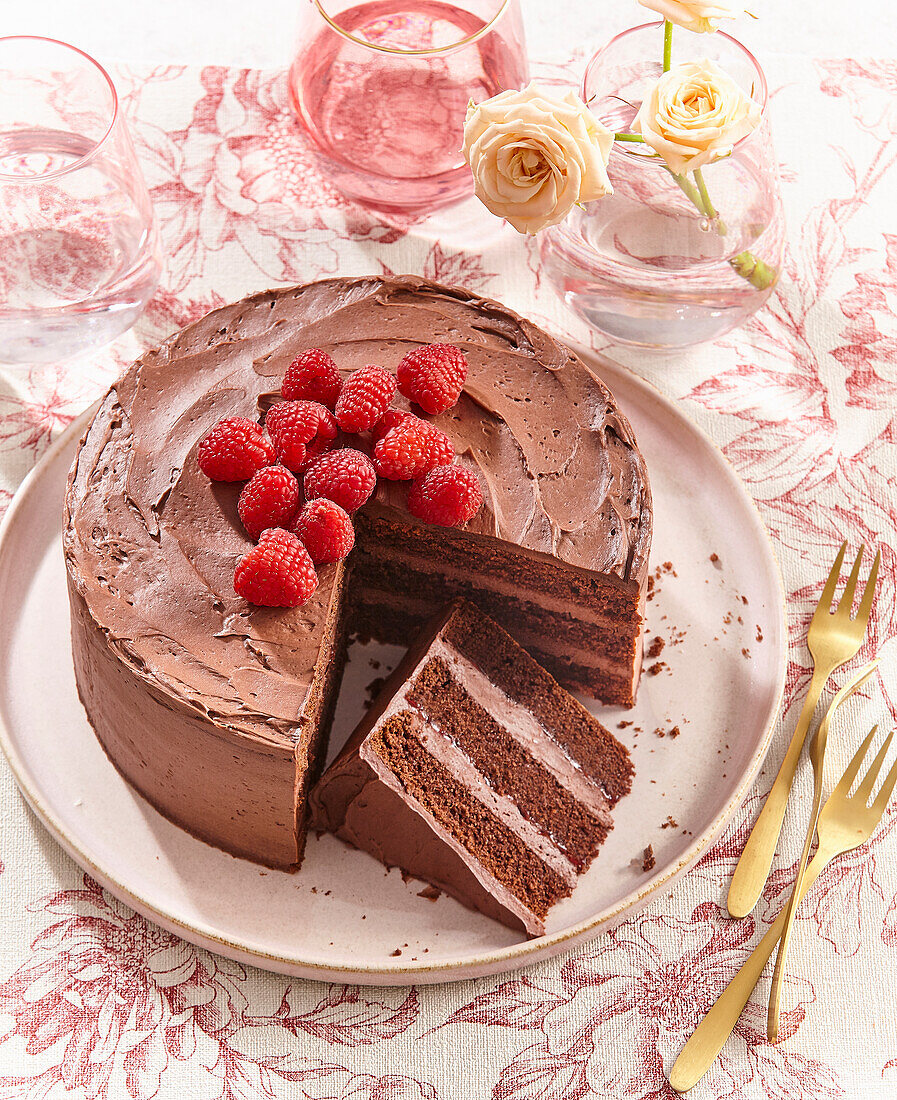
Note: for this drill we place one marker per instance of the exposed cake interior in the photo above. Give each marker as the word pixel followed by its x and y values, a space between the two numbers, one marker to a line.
pixel 483 753
pixel 584 627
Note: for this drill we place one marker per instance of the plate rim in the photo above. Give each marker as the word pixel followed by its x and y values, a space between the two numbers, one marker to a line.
pixel 459 968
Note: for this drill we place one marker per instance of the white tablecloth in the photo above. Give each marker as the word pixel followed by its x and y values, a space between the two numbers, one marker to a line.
pixel 96 1002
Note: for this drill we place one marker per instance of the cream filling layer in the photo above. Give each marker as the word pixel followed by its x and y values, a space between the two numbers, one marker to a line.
pixel 573 608
pixel 533 640
pixel 525 728
pixel 459 766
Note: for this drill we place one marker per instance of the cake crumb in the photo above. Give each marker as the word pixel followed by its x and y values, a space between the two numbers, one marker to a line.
pixel 396 953
pixel 744 600
pixel 655 648
pixel 327 893
pixel 670 824
pixel 648 860
pixel 650 589
pixel 623 725
pixel 759 633
pixel 373 689
pixel 714 558
pixel 314 889
pixel 745 652
pixel 431 893
pixel 673 731
pixel 656 668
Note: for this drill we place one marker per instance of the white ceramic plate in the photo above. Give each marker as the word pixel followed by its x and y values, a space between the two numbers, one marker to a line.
pixel 343 916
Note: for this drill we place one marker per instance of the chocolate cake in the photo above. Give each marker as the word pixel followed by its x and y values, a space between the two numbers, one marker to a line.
pixel 476 771
pixel 217 711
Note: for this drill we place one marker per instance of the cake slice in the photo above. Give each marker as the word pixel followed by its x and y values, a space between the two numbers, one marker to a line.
pixel 477 772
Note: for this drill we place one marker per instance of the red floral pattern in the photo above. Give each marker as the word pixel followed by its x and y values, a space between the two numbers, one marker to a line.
pixel 615 1021
pixel 803 400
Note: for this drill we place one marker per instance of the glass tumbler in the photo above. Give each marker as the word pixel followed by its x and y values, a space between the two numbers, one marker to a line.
pixel 382 89
pixel 648 265
pixel 78 251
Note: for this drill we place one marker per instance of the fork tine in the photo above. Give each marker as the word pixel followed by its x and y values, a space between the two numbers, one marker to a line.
pixel 887 789
pixel 852 769
pixel 828 592
pixel 869 591
pixel 846 601
pixel 864 790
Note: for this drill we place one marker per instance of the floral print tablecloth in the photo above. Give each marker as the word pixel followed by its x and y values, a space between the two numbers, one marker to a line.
pixel 96 1002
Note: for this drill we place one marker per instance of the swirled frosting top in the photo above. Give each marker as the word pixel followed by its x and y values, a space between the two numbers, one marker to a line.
pixel 151 544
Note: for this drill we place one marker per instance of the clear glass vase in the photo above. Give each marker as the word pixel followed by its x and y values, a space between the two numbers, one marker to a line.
pixel 658 264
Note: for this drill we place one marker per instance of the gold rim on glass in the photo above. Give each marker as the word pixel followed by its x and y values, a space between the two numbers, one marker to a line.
pixel 435 50
pixel 98 144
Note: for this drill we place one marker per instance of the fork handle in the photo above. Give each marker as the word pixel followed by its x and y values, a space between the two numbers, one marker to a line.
pixel 708 1039
pixel 756 859
pixel 797 892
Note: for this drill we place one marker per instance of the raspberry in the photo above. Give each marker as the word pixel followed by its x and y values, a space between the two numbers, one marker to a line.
pixel 448 495
pixel 364 398
pixel 325 530
pixel 269 499
pixel 433 376
pixel 312 376
pixel 392 418
pixel 233 450
pixel 345 476
pixel 300 430
pixel 411 450
pixel 276 573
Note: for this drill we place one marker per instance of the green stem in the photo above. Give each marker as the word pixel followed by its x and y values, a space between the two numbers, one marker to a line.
pixel 689 189
pixel 709 208
pixel 667 45
pixel 758 273
pixel 746 264
pixel 628 137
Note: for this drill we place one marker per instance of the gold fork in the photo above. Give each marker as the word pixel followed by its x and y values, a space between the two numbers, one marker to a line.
pixel 817 754
pixel 845 822
pixel 834 637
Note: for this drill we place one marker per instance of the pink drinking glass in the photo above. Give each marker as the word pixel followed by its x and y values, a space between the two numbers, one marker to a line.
pixel 382 87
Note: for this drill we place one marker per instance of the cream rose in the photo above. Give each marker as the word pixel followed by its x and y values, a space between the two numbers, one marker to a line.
pixel 533 156
pixel 701 16
pixel 694 114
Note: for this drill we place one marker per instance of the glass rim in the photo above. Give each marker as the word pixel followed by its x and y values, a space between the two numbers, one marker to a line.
pixel 395 51
pixel 740 47
pixel 55 173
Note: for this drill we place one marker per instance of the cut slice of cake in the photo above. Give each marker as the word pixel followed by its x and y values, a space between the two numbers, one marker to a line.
pixel 477 772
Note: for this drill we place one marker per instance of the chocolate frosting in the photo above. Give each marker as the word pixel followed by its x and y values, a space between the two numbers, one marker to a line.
pixel 151 544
